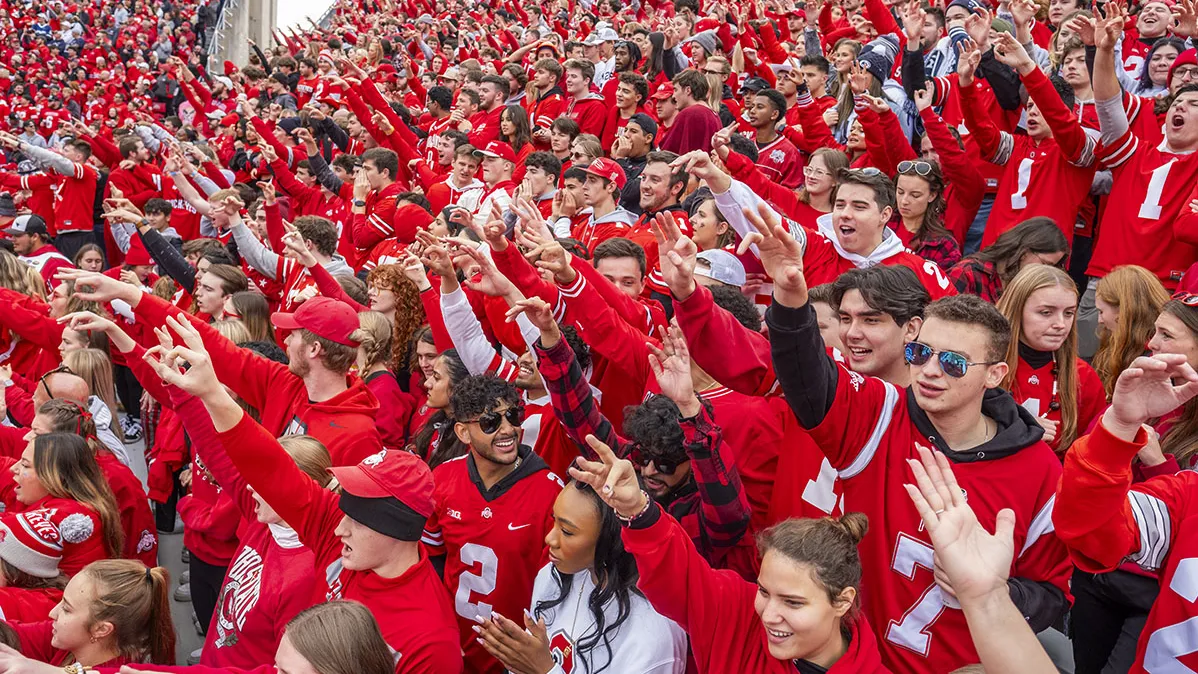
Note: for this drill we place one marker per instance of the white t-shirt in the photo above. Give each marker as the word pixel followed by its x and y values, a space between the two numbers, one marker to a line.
pixel 647 642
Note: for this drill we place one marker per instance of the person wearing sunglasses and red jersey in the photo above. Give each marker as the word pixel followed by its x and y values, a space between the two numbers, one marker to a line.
pixel 869 430
pixel 492 509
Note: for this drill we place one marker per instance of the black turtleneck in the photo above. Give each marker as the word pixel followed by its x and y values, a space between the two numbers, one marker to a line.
pixel 1036 358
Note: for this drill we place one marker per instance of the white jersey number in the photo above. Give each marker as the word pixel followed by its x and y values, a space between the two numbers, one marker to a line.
pixel 1151 208
pixel 1169 644
pixel 913 630
pixel 1019 197
pixel 932 269
pixel 481 583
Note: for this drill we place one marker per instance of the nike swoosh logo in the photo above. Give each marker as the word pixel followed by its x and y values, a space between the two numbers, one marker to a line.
pixel 512 528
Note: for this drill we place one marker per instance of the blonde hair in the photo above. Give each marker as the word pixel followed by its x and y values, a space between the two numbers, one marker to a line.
pixel 95 368
pixel 66 466
pixel 35 282
pixel 340 637
pixel 233 330
pixel 1138 295
pixel 375 346
pixel 14 274
pixel 310 455
pixel 134 599
pixel 1015 295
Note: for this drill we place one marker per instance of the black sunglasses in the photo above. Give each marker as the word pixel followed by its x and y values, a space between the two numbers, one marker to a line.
pixel 954 364
pixel 643 459
pixel 491 421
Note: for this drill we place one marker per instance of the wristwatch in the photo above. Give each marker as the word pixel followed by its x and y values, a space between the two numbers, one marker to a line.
pixel 358 203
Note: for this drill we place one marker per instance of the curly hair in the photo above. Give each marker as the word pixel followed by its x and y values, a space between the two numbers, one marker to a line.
pixel 474 396
pixel 654 426
pixel 733 301
pixel 582 350
pixel 409 312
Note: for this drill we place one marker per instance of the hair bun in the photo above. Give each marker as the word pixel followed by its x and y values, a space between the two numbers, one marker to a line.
pixel 856 525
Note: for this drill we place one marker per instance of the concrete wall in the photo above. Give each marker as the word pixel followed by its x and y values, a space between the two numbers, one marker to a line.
pixel 251 19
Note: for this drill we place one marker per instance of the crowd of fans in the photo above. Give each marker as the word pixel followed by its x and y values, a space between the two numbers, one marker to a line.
pixel 654 337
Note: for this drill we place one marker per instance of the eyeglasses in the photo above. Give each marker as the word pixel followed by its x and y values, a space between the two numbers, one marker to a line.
pixel 491 421
pixel 718 73
pixel 954 364
pixel 643 459
pixel 1186 72
pixel 579 156
pixel 812 172
pixel 921 168
pixel 42 380
pixel 1188 299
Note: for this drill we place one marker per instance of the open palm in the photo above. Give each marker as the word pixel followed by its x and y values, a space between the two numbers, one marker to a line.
pixel 1152 387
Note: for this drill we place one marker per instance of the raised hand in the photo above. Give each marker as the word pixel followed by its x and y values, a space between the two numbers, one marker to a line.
pixel 1109 30
pixel 975 564
pixel 671 365
pixel 556 260
pixel 1185 18
pixel 268 152
pixel 978 26
pixel 1151 387
pixel 969 56
pixel 297 249
pixel 269 195
pixel 923 97
pixel 1084 28
pixel 913 18
pixel 540 314
pixel 875 103
pixel 859 79
pixel 487 280
pixel 677 254
pixel 94 287
pixel 612 478
pixel 780 254
pixel 698 163
pixel 1010 52
pixel 199 379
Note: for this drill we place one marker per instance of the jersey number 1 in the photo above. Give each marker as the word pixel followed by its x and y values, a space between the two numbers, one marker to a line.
pixel 481 583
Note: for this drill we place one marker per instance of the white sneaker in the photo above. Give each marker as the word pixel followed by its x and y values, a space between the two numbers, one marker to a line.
pixel 131 428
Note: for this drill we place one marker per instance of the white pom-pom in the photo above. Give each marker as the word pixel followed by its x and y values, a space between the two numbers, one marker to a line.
pixel 76 528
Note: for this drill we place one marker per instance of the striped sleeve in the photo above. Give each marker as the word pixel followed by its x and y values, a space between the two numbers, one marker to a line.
pixel 1155 529
pixel 1115 154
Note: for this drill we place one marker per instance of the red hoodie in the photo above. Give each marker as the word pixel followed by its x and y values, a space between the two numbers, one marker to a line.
pixel 344 423
pixel 141 536
pixel 414 610
pixel 716 607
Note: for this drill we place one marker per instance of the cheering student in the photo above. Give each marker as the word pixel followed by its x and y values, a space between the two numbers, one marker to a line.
pixel 114 612
pixel 58 473
pixel 954 403
pixel 587 613
pixel 1044 374
pixel 802 614
pixel 500 480
pixel 313 392
pixel 366 542
pixel 1104 519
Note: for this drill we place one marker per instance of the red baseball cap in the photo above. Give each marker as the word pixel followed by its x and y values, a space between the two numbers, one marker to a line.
pixel 609 170
pixel 497 148
pixel 390 473
pixel 323 316
pixel 663 92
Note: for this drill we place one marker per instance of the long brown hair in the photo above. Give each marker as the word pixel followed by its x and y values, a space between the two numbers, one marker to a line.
pixel 827 545
pixel 253 310
pixel 1138 296
pixel 1181 440
pixel 340 637
pixel 1030 279
pixel 409 311
pixel 66 466
pixel 95 368
pixel 833 159
pixel 134 599
pixel 933 217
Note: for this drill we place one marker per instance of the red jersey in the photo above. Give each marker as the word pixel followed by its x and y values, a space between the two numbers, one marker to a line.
pixel 75 200
pixel 1145 220
pixel 590 113
pixel 781 162
pixel 544 110
pixel 823 262
pixel 47 261
pixel 923 629
pixel 484 127
pixel 1036 389
pixel 305 89
pixel 493 541
pixel 1046 178
pixel 1152 523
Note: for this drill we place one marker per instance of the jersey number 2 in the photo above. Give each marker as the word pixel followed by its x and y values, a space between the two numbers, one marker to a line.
pixel 912 631
pixel 481 583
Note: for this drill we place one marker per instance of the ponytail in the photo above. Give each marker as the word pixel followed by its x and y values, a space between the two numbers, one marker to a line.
pixel 135 599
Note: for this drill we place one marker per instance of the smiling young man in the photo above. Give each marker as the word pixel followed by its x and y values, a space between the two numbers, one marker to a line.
pixel 879 310
pixel 777 157
pixel 586 107
pixel 661 188
pixel 869 430
pixel 31 242
pixel 854 235
pixel 601 192
pixel 547 102
pixel 492 510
